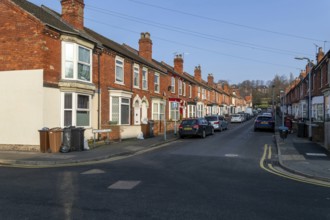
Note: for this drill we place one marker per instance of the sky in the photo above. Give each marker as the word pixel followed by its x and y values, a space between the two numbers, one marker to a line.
pixel 235 40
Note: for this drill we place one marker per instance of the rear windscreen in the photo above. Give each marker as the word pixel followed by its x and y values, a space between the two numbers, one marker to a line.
pixel 188 122
pixel 211 118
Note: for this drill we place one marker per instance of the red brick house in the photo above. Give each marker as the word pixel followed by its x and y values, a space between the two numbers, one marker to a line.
pixel 55 72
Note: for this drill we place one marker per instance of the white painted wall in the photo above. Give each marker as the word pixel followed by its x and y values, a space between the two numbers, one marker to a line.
pixel 21 106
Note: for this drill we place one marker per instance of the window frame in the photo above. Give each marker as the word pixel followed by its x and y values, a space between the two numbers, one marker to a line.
pixel 136 76
pixel 144 78
pixel 122 66
pixel 156 83
pixel 120 104
pixel 75 61
pixel 75 108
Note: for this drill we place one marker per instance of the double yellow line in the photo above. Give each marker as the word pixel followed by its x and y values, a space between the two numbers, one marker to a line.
pixel 268 166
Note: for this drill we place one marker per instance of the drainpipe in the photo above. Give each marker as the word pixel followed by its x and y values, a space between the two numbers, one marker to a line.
pixel 99 90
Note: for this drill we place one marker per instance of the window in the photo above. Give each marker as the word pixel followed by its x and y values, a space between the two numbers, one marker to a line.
pixel 156 82
pixel 172 84
pixel 328 75
pixel 318 112
pixel 76 62
pixel 191 111
pixel 200 112
pixel 190 91
pixel 174 111
pixel 76 109
pixel 199 92
pixel 184 89
pixel 158 110
pixel 144 79
pixel 136 76
pixel 120 109
pixel 180 86
pixel 203 94
pixel 119 70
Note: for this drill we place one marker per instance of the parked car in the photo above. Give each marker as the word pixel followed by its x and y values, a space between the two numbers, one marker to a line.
pixel 195 127
pixel 218 122
pixel 236 118
pixel 264 122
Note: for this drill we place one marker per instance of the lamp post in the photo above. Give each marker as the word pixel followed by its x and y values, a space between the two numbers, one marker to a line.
pixel 274 111
pixel 282 103
pixel 309 95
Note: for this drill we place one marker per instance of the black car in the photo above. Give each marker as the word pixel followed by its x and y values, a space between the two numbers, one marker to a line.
pixel 195 127
pixel 264 122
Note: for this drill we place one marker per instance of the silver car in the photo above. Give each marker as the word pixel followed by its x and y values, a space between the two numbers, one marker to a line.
pixel 236 118
pixel 218 122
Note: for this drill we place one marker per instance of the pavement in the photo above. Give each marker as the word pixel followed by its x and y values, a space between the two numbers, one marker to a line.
pixel 295 154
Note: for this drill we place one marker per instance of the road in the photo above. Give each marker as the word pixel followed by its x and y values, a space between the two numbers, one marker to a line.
pixel 219 177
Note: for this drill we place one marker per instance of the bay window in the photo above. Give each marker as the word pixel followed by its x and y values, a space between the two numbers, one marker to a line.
pixel 158 110
pixel 76 109
pixel 77 63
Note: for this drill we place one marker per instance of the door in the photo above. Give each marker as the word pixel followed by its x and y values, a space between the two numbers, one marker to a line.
pixel 137 113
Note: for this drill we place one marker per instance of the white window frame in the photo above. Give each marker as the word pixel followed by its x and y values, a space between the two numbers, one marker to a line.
pixel 144 78
pixel 157 107
pixel 120 59
pixel 199 92
pixel 180 87
pixel 136 76
pixel 120 111
pixel 74 109
pixel 203 94
pixel 174 111
pixel 75 61
pixel 191 111
pixel 200 110
pixel 190 91
pixel 184 89
pixel 157 83
pixel 172 84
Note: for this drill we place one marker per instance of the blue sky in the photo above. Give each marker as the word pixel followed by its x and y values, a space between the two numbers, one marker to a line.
pixel 234 40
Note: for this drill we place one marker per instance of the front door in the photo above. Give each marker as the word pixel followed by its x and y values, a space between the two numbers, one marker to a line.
pixel 137 113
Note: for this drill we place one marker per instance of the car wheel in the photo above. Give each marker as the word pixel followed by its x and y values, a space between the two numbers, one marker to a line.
pixel 181 136
pixel 203 134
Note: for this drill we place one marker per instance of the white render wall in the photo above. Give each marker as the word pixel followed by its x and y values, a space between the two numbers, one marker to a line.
pixel 21 111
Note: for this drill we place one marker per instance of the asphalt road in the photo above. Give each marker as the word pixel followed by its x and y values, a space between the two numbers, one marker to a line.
pixel 219 177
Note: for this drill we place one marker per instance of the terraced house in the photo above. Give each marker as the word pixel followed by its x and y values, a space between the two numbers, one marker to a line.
pixel 296 98
pixel 55 72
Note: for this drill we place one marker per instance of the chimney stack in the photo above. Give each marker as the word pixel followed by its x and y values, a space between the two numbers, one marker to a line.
pixel 198 73
pixel 319 55
pixel 178 63
pixel 210 79
pixel 73 13
pixel 145 46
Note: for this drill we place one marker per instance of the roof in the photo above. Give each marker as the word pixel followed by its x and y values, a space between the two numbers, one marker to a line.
pixel 123 50
pixel 51 19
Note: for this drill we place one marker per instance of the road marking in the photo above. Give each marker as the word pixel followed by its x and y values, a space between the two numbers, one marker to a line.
pixel 122 184
pixel 269 168
pixel 93 171
pixel 231 155
pixel 316 154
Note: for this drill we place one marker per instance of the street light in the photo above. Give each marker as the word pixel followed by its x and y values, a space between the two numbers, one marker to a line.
pixel 309 95
pixel 282 102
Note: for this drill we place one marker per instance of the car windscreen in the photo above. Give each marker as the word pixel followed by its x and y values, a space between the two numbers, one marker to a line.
pixel 211 118
pixel 264 118
pixel 188 122
pixel 236 116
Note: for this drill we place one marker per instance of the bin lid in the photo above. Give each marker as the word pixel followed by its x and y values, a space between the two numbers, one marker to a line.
pixel 283 128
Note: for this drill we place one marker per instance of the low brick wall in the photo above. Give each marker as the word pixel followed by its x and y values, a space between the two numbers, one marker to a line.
pixel 318 132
